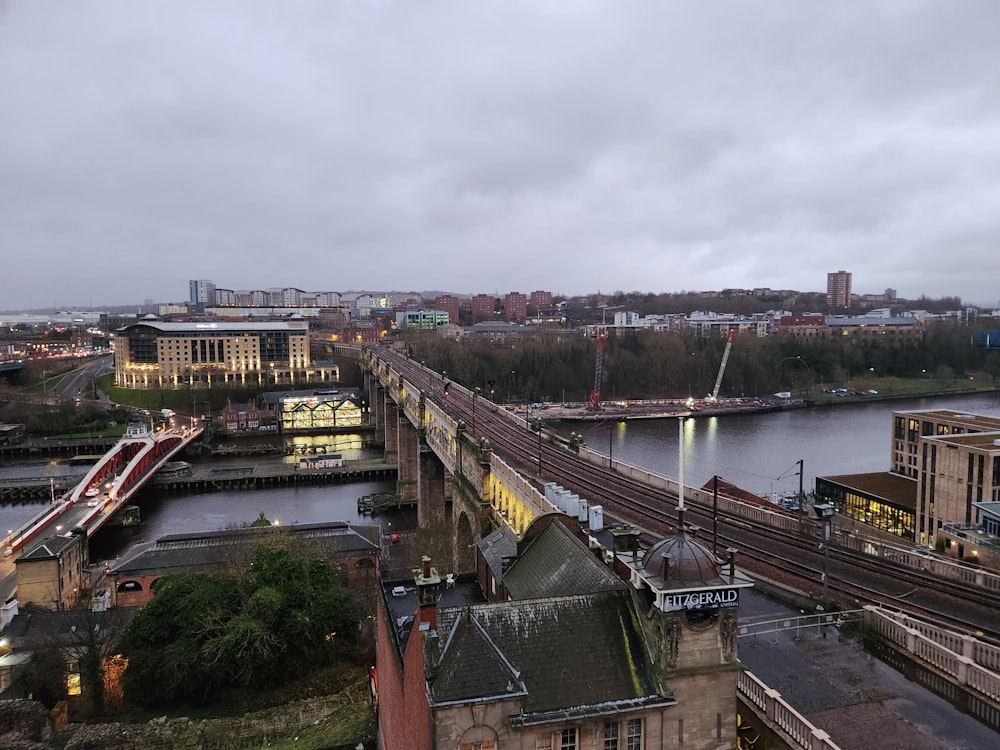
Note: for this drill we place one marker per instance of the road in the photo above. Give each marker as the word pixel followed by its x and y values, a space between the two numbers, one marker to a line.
pixel 81 383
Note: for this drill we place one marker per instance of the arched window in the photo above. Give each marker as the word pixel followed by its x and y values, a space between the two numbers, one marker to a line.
pixel 365 562
pixel 478 738
pixel 129 586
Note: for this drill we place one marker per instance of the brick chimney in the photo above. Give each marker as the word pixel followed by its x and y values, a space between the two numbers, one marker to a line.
pixel 428 583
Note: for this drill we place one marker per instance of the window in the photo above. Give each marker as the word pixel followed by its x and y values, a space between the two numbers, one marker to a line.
pixel 567 739
pixel 483 745
pixel 611 736
pixel 633 734
pixel 73 678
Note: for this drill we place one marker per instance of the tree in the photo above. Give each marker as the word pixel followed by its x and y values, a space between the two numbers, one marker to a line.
pixel 205 634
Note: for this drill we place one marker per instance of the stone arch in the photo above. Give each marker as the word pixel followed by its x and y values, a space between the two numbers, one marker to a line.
pixel 482 736
pixel 129 586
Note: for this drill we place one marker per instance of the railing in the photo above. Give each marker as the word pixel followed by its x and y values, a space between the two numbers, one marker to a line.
pixel 963 657
pixel 790 721
pixel 921 559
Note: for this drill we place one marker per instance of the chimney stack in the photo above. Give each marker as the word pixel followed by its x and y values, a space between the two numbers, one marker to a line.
pixel 428 584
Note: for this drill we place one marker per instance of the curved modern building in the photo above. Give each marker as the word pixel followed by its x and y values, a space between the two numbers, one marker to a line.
pixel 153 354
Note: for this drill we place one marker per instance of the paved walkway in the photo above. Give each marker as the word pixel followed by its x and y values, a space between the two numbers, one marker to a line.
pixel 862 703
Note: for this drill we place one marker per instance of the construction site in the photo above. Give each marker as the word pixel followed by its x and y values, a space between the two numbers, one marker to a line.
pixel 597 409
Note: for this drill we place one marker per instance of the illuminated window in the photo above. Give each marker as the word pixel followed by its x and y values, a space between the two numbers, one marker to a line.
pixel 73 678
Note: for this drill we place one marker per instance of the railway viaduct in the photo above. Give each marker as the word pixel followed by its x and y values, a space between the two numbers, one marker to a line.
pixel 462 488
pixel 458 483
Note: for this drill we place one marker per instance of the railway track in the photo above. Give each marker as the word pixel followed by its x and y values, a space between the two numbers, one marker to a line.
pixel 794 559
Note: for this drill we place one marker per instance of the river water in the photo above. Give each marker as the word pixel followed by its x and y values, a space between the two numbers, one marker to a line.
pixel 759 452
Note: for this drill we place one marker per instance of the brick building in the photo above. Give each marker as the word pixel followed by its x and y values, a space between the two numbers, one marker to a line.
pixel 246 417
pixel 538 301
pixel 449 304
pixel 353 550
pixel 483 308
pixel 838 290
pixel 52 573
pixel 574 653
pixel 515 306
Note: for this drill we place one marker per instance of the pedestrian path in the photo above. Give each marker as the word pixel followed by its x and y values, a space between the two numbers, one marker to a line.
pixel 861 702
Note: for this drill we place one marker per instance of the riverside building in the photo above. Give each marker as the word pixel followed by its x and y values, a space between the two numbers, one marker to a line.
pixel 155 355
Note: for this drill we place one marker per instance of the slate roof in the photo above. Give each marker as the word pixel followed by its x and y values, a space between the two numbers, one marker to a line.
pixel 41 629
pixel 186 553
pixel 556 563
pixel 495 547
pixel 50 547
pixel 474 668
pixel 569 656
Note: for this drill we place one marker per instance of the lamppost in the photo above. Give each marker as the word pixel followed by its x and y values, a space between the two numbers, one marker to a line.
pixel 536 425
pixel 475 392
pixel 824 512
pixel 812 378
pixel 613 426
pixel 611 443
pixel 680 465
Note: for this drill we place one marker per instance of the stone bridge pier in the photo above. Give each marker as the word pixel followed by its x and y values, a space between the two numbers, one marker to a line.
pixel 462 490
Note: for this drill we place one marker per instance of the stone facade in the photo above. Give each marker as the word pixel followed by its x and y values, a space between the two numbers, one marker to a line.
pixel 53 574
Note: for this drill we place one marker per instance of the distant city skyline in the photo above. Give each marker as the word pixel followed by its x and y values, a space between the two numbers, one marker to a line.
pixel 491 147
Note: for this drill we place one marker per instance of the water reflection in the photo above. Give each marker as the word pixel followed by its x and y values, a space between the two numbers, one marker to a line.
pixel 755 451
pixel 351 447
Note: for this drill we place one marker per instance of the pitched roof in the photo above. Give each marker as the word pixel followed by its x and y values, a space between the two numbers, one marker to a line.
pixel 50 547
pixel 556 563
pixel 575 656
pixel 186 553
pixel 472 667
pixel 495 547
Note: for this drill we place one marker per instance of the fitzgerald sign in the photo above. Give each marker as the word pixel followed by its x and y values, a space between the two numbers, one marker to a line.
pixel 701 599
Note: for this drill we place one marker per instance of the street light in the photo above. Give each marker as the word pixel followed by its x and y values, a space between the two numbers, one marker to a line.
pixel 536 425
pixel 824 512
pixel 475 392
pixel 680 466
pixel 613 425
pixel 812 378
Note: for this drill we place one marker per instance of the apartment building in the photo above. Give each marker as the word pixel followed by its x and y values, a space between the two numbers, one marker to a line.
pixel 154 354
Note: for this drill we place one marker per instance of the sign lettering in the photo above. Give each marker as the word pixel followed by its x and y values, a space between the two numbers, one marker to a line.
pixel 717 598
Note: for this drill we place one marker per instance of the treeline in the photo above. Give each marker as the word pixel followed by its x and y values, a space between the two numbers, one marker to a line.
pixel 560 365
pixel 582 310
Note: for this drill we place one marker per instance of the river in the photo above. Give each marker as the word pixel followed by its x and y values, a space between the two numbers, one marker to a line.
pixel 759 452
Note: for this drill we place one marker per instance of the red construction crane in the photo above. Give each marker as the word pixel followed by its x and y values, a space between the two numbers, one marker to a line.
pixel 594 403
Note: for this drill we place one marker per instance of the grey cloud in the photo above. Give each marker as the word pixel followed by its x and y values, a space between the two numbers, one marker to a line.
pixel 497 146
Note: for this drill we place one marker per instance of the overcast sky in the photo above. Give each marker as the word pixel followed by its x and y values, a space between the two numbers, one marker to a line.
pixel 485 146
